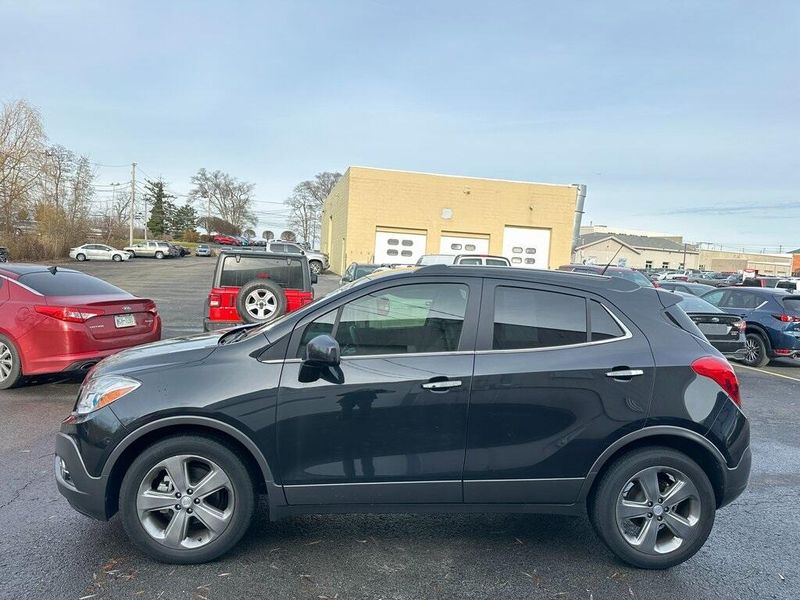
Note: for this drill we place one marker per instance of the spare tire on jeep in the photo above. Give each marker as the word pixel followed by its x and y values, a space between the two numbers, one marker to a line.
pixel 260 301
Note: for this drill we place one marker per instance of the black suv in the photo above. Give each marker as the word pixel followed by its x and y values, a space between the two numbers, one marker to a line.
pixel 446 388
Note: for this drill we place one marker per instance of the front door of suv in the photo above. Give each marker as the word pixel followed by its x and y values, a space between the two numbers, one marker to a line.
pixel 389 425
pixel 558 376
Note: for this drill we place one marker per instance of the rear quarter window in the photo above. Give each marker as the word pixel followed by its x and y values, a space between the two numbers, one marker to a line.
pixel 792 304
pixel 64 283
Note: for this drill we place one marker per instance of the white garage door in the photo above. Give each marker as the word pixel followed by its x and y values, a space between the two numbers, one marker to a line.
pixel 527 247
pixel 452 244
pixel 399 248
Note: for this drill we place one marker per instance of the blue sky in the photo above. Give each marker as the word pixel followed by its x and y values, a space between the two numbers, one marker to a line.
pixel 679 116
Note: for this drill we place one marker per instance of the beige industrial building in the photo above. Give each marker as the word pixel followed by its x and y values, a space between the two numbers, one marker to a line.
pixel 764 264
pixel 385 216
pixel 635 251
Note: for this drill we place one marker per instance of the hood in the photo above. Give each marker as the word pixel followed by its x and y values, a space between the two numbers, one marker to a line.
pixel 161 354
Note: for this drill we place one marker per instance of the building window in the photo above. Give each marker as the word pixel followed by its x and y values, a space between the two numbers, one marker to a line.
pixel 408 242
pixel 391 252
pixel 516 260
pixel 406 253
pixel 530 250
pixel 392 242
pixel 455 246
pixel 648 264
pixel 470 247
pixel 681 267
pixel 665 265
pixel 530 261
pixel 517 250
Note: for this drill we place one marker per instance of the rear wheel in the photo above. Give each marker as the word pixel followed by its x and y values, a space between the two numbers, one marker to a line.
pixel 159 254
pixel 755 351
pixel 80 257
pixel 315 266
pixel 10 365
pixel 186 500
pixel 116 258
pixel 653 508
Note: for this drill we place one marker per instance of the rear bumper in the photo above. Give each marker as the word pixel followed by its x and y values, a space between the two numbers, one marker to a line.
pixel 85 493
pixel 209 325
pixel 736 478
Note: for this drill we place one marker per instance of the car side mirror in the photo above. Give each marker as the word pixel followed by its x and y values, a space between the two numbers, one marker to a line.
pixel 314 278
pixel 322 351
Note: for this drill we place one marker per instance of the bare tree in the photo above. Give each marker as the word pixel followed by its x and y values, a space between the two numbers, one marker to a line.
pixel 306 202
pixel 231 199
pixel 22 141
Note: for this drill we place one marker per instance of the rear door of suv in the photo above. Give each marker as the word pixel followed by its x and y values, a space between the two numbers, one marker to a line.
pixel 559 375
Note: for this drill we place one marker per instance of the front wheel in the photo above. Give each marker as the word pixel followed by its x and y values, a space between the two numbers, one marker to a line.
pixel 755 351
pixel 315 266
pixel 159 255
pixel 187 500
pixel 81 257
pixel 116 258
pixel 653 508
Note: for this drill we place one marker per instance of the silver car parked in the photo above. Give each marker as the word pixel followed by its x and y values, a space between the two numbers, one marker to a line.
pixel 152 249
pixel 98 252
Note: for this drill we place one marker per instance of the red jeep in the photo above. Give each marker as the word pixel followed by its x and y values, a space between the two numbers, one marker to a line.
pixel 254 286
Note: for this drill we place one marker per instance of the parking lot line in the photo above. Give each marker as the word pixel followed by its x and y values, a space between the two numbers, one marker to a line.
pixel 768 372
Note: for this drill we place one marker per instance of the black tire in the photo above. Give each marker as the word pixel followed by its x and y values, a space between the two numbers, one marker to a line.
pixel 80 257
pixel 315 266
pixel 267 286
pixel 159 255
pixel 757 353
pixel 244 498
pixel 116 258
pixel 607 493
pixel 15 373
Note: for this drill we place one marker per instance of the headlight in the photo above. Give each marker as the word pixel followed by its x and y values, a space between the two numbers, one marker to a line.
pixel 103 390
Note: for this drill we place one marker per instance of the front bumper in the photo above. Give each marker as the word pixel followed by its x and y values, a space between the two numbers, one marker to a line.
pixel 85 493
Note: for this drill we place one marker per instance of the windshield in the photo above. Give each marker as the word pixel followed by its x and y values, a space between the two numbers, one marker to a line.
pixel 68 283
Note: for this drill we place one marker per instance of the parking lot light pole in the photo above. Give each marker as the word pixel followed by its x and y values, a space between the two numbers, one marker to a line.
pixel 133 200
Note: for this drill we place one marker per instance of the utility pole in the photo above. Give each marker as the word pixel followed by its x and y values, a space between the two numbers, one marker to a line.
pixel 133 199
pixel 144 199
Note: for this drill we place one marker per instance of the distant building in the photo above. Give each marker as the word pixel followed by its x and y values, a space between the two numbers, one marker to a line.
pixel 635 251
pixel 385 216
pixel 795 262
pixel 764 264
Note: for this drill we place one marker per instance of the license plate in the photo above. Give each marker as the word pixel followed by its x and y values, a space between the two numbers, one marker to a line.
pixel 124 321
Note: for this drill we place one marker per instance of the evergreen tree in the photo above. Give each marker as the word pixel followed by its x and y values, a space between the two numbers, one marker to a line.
pixel 162 209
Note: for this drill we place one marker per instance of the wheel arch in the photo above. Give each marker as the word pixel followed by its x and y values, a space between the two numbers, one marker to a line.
pixel 126 452
pixel 757 328
pixel 689 442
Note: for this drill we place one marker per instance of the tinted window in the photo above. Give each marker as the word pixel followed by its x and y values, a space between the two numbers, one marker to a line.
pixel 286 272
pixel 604 327
pixel 404 319
pixel 64 283
pixel 633 276
pixel 741 299
pixel 361 271
pixel 321 326
pixel 713 297
pixel 537 319
pixel 496 262
pixel 469 261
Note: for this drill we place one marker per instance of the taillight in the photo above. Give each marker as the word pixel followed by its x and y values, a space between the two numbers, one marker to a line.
pixel 68 313
pixel 150 306
pixel 214 300
pixel 787 318
pixel 721 371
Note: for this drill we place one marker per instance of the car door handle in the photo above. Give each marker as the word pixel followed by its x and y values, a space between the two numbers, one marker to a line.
pixel 442 385
pixel 625 373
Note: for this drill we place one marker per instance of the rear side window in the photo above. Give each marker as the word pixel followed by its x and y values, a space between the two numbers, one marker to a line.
pixel 238 270
pixel 604 326
pixel 64 283
pixel 525 318
pixel 496 262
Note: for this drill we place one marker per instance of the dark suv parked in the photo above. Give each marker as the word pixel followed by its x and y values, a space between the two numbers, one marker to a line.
pixel 441 389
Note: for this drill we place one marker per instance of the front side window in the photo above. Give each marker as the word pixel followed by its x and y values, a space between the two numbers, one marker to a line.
pixel 741 299
pixel 405 319
pixel 525 318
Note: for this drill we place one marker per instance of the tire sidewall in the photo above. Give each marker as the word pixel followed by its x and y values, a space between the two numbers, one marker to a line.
pixel 762 349
pixel 603 506
pixel 80 257
pixel 206 447
pixel 16 368
pixel 159 255
pixel 249 287
pixel 116 258
pixel 316 266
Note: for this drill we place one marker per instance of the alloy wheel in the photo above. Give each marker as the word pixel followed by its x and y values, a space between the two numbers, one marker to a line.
pixel 658 510
pixel 261 304
pixel 6 362
pixel 752 352
pixel 185 502
pixel 315 267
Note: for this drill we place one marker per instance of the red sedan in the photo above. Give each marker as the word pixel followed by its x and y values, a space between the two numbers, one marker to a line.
pixel 226 240
pixel 56 320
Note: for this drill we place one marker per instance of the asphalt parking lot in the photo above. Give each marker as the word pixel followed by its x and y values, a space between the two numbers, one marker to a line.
pixel 47 550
